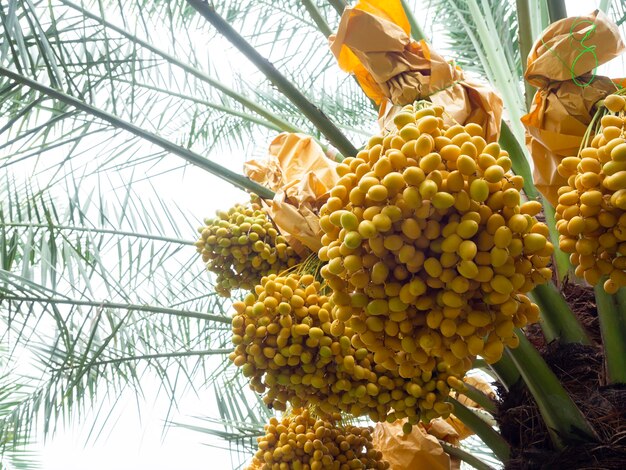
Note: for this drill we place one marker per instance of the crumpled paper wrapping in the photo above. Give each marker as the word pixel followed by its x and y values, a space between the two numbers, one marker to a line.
pixel 418 449
pixel 373 42
pixel 297 170
pixel 563 106
pixel 559 54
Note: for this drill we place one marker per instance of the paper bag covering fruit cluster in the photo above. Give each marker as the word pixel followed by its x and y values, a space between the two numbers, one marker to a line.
pixel 373 42
pixel 561 65
pixel 297 170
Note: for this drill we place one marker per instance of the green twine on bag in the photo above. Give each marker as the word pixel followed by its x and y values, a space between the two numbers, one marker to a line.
pixel 586 49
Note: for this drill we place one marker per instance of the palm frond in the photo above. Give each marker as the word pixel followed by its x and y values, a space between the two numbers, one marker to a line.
pixel 107 67
pixel 170 90
pixel 98 293
pixel 460 43
pixel 617 12
pixel 14 441
pixel 477 448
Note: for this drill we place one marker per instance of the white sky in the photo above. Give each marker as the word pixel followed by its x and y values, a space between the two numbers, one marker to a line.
pixel 136 441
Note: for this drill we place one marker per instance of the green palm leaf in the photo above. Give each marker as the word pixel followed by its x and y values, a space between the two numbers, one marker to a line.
pixel 15 442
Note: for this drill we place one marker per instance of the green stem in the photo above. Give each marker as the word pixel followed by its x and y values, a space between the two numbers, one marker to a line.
pixel 317 17
pixel 244 101
pixel 312 112
pixel 612 315
pixel 521 167
pixel 501 71
pixel 144 357
pixel 525 36
pixel 560 321
pixel 466 457
pixel 538 17
pixel 416 30
pixel 479 397
pixel 487 434
pixel 338 5
pixel 505 370
pixel 544 15
pixel 549 330
pixel 120 306
pixel 72 228
pixel 195 159
pixel 566 424
pixel 561 259
pixel 557 10
pixel 605 6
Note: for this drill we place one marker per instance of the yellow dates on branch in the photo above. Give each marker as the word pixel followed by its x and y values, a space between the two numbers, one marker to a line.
pixel 299 440
pixel 591 213
pixel 430 252
pixel 242 245
pixel 297 349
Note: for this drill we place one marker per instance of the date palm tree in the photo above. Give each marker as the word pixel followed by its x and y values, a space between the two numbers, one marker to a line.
pixel 101 103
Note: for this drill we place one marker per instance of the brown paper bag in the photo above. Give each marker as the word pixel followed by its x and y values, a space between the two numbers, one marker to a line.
pixel 563 106
pixel 556 124
pixel 444 431
pixel 415 450
pixel 573 47
pixel 301 176
pixel 373 42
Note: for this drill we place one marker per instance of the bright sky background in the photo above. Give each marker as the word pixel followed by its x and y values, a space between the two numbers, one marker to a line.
pixel 136 439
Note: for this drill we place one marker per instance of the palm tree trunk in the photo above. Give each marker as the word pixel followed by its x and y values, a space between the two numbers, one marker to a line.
pixel 565 423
